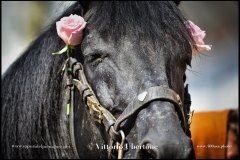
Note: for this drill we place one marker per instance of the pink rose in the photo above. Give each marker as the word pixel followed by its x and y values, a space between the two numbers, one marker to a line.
pixel 70 29
pixel 198 36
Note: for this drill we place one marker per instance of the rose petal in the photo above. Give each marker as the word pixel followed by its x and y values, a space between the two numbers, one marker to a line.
pixel 193 28
pixel 197 34
pixel 61 32
pixel 83 26
pixel 75 39
pixel 201 48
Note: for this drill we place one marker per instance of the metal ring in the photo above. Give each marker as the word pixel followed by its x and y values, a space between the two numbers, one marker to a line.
pixel 122 135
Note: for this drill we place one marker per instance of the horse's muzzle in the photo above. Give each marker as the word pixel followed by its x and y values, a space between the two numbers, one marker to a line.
pixel 165 137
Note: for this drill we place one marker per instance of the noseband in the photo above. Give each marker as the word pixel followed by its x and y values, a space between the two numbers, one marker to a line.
pixel 76 78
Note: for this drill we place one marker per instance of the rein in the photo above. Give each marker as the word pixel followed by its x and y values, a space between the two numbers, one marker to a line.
pixel 76 78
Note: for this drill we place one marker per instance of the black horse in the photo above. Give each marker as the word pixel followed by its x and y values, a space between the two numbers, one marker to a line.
pixel 127 48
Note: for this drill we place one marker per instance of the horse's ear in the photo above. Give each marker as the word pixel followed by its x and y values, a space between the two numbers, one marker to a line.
pixel 85 5
pixel 177 2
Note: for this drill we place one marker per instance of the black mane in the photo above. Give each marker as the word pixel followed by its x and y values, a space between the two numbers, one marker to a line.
pixel 32 96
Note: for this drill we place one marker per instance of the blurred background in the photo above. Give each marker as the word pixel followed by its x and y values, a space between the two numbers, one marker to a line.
pixel 213 77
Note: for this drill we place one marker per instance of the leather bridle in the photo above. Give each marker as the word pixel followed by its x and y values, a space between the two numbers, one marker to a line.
pixel 76 78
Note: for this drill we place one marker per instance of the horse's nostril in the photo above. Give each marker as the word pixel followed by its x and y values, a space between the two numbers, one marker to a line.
pixel 169 146
pixel 147 151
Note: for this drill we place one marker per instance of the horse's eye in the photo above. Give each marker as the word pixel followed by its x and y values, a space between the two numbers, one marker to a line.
pixel 96 62
pixel 95 59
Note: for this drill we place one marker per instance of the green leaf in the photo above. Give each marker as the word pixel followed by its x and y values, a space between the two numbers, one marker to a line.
pixel 62 50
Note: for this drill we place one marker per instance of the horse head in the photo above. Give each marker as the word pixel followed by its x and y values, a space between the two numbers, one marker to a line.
pixel 129 51
pixel 134 56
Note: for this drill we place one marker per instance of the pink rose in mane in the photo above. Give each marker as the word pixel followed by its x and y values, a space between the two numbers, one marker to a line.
pixel 198 36
pixel 70 29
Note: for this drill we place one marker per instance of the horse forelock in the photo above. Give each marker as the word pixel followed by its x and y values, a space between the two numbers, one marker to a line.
pixel 157 23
